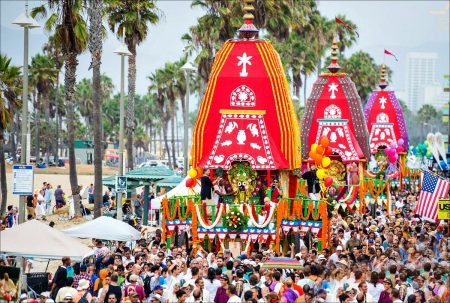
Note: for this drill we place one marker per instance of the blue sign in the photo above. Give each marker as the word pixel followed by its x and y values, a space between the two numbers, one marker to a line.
pixel 23 179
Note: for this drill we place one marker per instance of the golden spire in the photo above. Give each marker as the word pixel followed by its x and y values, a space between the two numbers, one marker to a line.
pixel 248 8
pixel 248 30
pixel 334 66
pixel 383 83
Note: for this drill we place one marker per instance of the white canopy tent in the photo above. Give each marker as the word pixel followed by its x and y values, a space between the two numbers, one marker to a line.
pixel 38 240
pixel 180 190
pixel 104 228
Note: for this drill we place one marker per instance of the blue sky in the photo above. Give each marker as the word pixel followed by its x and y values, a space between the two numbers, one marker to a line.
pixel 399 26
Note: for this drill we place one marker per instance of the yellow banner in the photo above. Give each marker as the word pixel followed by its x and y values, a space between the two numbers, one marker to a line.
pixel 444 209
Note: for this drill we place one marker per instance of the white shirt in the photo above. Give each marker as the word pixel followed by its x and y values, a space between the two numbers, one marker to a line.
pixel 234 299
pixel 277 287
pixel 375 291
pixel 212 287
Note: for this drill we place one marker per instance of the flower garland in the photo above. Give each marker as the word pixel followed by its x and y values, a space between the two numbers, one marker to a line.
pixel 283 212
pixel 255 222
pixel 216 221
pixel 234 220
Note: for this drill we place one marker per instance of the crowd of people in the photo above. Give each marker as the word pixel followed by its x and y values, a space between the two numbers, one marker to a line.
pixel 387 255
pixel 375 257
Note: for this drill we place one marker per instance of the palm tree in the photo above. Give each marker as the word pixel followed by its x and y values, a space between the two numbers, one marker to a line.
pixel 158 89
pixel 132 18
pixel 12 88
pixel 43 76
pixel 9 91
pixel 84 103
pixel 54 51
pixel 71 35
pixel 95 47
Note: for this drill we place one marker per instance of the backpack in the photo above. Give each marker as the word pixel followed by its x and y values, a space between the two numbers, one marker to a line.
pixel 83 298
pixel 147 286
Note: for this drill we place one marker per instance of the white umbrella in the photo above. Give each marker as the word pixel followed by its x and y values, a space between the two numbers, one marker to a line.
pixel 104 228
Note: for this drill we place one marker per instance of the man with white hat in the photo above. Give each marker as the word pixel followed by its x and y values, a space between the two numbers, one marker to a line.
pixel 82 291
pixel 68 298
pixel 335 256
pixel 68 289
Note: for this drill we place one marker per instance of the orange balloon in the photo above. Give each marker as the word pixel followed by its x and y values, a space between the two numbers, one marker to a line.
pixel 318 159
pixel 324 142
pixel 312 154
pixel 320 150
pixel 199 172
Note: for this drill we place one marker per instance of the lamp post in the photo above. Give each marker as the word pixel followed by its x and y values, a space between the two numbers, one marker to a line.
pixel 23 20
pixel 188 68
pixel 122 51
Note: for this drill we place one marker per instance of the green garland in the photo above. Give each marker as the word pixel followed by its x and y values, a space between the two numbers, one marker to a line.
pixel 234 220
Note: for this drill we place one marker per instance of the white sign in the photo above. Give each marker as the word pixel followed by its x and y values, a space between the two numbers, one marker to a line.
pixel 22 179
pixel 121 184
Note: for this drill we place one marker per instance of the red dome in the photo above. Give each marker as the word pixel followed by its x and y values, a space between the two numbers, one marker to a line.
pixel 247 112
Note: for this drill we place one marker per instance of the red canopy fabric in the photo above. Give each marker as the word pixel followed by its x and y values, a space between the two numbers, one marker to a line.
pixel 247 111
pixel 335 102
pixel 385 121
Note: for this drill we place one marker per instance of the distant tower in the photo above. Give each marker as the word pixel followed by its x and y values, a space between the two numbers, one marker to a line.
pixel 421 71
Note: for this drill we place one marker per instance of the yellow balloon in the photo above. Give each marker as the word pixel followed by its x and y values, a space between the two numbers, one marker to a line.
pixel 314 147
pixel 320 173
pixel 192 173
pixel 326 161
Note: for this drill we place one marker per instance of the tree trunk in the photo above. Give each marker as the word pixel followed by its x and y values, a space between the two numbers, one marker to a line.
pixel 3 186
pixel 12 142
pixel 130 107
pixel 319 66
pixel 37 127
pixel 172 125
pixel 56 145
pixel 48 131
pixel 166 142
pixel 95 47
pixel 70 66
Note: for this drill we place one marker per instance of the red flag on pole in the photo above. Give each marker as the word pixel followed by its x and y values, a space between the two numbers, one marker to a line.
pixel 386 52
pixel 346 25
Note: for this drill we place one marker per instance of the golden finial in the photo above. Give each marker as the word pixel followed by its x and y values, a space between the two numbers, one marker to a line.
pixel 248 8
pixel 248 29
pixel 383 83
pixel 334 66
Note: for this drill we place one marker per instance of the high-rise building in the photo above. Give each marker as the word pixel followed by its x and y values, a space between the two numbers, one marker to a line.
pixel 420 72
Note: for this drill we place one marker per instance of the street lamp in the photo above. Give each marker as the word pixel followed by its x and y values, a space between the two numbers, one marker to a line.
pixel 122 51
pixel 23 20
pixel 188 68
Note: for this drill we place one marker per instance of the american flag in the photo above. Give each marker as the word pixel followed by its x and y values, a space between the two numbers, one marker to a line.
pixel 433 188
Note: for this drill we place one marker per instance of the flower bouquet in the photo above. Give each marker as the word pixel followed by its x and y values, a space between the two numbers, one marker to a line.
pixel 234 220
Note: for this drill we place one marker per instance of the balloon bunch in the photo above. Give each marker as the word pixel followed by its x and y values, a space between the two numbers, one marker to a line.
pixel 194 175
pixel 320 153
pixel 393 150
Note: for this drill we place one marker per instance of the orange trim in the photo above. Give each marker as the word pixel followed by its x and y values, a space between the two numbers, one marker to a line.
pixel 286 102
pixel 290 133
pixel 284 115
pixel 265 59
